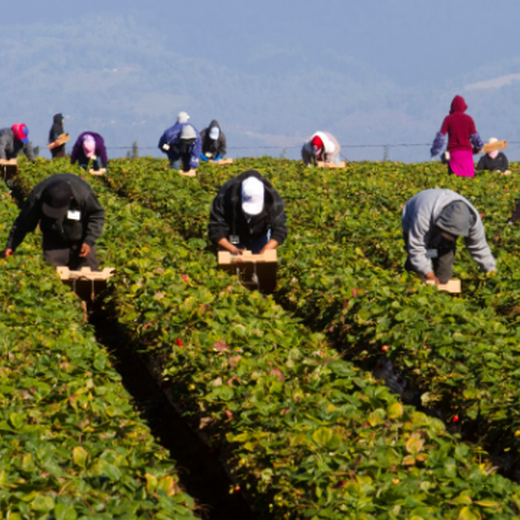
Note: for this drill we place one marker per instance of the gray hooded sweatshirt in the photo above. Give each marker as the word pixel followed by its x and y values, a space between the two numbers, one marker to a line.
pixel 419 218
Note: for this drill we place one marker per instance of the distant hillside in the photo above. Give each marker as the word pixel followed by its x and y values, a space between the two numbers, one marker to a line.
pixel 125 82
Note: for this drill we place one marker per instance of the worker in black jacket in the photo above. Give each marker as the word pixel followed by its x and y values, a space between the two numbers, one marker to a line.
pixel 71 220
pixel 494 161
pixel 213 140
pixel 248 213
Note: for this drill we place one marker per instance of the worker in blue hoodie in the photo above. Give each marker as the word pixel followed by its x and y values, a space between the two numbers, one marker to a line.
pixel 182 144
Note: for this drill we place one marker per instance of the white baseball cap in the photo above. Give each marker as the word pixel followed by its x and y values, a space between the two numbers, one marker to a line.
pixel 252 196
pixel 182 117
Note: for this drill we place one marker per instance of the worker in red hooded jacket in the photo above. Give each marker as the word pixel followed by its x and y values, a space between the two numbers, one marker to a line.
pixel 463 140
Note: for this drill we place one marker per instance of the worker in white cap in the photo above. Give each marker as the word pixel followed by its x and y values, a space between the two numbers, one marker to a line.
pixel 183 149
pixel 248 213
pixel 213 142
pixel 494 161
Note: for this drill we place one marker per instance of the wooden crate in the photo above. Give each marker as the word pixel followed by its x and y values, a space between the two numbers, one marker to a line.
pixel 85 282
pixel 323 164
pixel 491 147
pixel 8 167
pixel 254 271
pixel 452 286
pixel 99 172
pixel 189 173
pixel 62 139
pixel 224 161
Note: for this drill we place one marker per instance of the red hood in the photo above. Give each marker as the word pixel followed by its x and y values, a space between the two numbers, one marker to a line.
pixel 458 105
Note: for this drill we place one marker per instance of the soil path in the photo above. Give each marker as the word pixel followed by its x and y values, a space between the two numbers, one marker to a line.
pixel 201 473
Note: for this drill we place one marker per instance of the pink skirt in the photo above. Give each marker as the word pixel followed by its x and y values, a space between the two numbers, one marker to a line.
pixel 461 163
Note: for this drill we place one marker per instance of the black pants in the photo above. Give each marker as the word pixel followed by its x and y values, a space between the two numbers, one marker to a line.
pixel 59 151
pixel 69 257
pixel 443 264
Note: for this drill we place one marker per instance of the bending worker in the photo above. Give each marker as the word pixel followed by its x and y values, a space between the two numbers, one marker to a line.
pixel 322 146
pixel 14 139
pixel 495 161
pixel 213 142
pixel 89 146
pixel 248 213
pixel 432 221
pixel 182 144
pixel 70 218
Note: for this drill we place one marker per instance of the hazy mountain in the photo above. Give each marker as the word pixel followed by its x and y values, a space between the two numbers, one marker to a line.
pixel 127 82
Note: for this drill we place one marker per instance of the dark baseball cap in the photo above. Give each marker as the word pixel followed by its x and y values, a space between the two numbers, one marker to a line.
pixel 56 199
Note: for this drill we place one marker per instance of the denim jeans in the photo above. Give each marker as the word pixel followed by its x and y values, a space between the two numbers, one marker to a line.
pixel 256 246
pixel 175 164
pixel 96 163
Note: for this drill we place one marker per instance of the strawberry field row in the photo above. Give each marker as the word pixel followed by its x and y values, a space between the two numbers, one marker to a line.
pixel 71 444
pixel 342 270
pixel 309 432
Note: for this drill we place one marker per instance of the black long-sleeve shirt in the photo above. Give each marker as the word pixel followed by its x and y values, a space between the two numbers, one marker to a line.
pixel 64 232
pixel 227 217
pixel 499 163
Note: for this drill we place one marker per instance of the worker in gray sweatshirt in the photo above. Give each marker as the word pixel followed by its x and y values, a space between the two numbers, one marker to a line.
pixel 432 221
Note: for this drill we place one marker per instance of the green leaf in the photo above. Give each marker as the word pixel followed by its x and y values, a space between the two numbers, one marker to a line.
pixel 395 411
pixel 17 420
pixel 414 444
pixel 63 512
pixel 80 456
pixel 462 499
pixel 100 361
pixel 466 513
pixel 43 504
pixel 488 503
pixel 340 368
pixel 323 436
pixel 111 471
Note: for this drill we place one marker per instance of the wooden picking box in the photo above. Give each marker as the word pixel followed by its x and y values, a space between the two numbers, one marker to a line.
pixel 451 286
pixel 8 167
pixel 85 282
pixel 323 164
pixel 227 160
pixel 254 271
pixel 62 139
pixel 98 173
pixel 497 145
